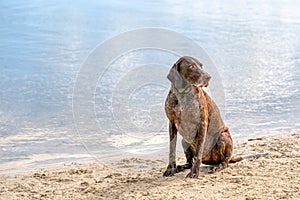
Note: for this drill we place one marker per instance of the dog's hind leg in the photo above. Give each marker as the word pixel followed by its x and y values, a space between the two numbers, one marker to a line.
pixel 222 152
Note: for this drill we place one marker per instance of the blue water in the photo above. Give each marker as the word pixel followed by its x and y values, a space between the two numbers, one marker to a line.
pixel 255 46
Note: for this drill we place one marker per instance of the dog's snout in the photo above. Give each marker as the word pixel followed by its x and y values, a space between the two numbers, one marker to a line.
pixel 207 77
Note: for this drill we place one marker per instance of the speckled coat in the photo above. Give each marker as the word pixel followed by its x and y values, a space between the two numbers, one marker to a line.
pixel 193 113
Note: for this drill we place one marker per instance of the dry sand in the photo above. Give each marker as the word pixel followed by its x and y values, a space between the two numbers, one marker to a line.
pixel 276 176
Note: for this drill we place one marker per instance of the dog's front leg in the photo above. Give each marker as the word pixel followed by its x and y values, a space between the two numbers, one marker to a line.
pixel 171 169
pixel 199 141
pixel 199 146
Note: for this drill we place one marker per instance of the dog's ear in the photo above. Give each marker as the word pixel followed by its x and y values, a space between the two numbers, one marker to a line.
pixel 175 77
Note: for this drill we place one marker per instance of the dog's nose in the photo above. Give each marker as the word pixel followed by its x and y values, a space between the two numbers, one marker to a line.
pixel 207 77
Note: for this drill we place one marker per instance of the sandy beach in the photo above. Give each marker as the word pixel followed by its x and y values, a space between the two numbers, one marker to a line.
pixel 276 176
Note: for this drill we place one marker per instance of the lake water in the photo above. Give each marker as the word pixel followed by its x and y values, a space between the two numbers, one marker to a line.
pixel 255 47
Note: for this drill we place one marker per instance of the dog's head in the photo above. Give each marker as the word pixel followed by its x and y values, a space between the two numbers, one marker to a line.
pixel 188 71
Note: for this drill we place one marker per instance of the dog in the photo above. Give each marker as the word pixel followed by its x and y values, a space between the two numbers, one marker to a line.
pixel 193 113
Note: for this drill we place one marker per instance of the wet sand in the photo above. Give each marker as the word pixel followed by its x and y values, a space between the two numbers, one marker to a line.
pixel 276 176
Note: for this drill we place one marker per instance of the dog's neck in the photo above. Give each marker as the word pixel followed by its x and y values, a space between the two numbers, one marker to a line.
pixel 186 95
pixel 182 91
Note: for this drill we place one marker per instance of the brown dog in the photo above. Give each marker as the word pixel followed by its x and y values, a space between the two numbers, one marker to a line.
pixel 196 116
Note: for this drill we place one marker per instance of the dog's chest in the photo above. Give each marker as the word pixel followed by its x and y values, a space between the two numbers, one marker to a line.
pixel 189 118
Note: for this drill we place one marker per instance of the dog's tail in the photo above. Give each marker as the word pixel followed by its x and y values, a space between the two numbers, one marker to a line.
pixel 253 156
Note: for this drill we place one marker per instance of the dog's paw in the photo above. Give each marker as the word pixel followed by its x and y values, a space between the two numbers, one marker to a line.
pixel 171 170
pixel 192 175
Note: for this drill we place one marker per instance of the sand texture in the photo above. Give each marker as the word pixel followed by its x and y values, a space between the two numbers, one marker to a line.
pixel 276 176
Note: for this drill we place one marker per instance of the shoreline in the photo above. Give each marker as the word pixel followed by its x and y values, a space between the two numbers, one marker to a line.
pixel 53 161
pixel 273 177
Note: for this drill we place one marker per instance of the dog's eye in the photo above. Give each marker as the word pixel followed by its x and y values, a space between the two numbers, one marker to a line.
pixel 192 67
